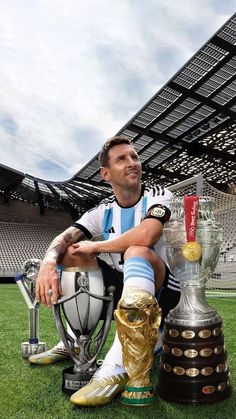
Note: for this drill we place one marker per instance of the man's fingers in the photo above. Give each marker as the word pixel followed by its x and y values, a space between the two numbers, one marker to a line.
pixel 48 287
pixel 60 293
pixel 54 293
pixel 46 299
pixel 43 295
pixel 75 250
pixel 37 293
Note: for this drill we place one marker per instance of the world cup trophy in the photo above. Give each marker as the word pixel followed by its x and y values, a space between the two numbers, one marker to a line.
pixel 193 366
pixel 88 309
pixel 26 283
pixel 137 321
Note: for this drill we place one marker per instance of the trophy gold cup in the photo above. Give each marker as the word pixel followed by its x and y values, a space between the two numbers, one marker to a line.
pixel 83 304
pixel 26 283
pixel 193 367
pixel 137 320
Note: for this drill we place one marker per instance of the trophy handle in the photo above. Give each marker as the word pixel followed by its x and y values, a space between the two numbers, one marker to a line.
pixel 101 335
pixel 30 301
pixel 64 335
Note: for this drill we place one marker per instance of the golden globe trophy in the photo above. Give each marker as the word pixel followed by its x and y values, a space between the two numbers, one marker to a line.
pixel 193 366
pixel 137 321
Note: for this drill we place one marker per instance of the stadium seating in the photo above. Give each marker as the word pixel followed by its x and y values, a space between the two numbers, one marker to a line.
pixel 22 239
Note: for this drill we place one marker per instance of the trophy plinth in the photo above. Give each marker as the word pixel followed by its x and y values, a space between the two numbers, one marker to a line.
pixel 73 381
pixel 193 366
pixel 26 283
pixel 137 319
pixel 79 374
pixel 28 349
pixel 83 302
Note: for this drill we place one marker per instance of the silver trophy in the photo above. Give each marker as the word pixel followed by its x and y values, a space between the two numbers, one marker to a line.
pixel 193 366
pixel 26 283
pixel 82 305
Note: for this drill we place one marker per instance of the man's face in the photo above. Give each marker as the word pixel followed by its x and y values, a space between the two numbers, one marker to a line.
pixel 124 167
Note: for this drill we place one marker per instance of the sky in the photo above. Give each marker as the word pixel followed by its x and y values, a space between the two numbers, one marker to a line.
pixel 73 72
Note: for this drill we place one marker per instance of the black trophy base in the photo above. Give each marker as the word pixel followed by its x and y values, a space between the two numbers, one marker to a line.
pixel 193 365
pixel 28 349
pixel 73 381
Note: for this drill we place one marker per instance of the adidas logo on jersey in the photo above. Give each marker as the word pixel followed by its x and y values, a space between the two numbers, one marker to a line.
pixel 111 230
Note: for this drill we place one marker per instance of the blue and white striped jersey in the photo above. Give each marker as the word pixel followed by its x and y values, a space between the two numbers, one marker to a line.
pixel 110 220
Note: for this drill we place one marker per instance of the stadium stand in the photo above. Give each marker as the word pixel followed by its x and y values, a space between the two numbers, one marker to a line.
pixel 25 234
pixel 21 241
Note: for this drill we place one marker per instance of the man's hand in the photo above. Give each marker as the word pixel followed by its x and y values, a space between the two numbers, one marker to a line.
pixel 48 287
pixel 86 248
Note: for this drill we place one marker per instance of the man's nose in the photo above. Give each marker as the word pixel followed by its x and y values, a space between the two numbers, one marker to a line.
pixel 131 161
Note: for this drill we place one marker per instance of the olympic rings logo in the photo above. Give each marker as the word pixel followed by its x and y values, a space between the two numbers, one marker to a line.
pixel 191 231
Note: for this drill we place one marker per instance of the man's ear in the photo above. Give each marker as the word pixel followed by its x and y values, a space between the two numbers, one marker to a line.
pixel 105 174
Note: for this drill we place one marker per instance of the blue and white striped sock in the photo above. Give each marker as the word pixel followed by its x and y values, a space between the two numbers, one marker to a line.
pixel 139 273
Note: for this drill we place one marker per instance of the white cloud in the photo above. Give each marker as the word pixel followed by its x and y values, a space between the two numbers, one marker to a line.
pixel 74 72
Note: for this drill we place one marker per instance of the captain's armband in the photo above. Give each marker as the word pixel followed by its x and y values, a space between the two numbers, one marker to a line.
pixel 159 212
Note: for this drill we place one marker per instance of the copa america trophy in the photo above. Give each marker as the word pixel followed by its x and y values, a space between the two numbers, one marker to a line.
pixel 137 321
pixel 26 283
pixel 193 366
pixel 82 304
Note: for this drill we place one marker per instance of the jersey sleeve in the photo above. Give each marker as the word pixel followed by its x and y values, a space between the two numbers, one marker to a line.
pixel 159 195
pixel 90 223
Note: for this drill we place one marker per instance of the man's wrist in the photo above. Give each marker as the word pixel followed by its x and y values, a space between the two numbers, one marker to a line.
pixel 101 247
pixel 49 262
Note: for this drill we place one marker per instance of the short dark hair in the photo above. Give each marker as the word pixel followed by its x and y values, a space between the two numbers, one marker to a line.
pixel 111 142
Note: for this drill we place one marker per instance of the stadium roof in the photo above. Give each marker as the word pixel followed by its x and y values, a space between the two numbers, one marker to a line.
pixel 188 127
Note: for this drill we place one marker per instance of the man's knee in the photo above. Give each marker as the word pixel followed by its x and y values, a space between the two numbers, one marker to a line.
pixel 71 260
pixel 141 251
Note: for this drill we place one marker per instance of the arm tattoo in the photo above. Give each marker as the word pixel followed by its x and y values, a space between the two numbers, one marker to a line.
pixel 67 237
pixel 59 245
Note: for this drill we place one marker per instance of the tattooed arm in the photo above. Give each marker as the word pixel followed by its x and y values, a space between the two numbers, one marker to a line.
pixel 48 277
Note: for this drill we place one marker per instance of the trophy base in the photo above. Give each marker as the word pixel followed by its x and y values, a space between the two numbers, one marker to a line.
pixel 28 349
pixel 137 396
pixel 193 366
pixel 73 381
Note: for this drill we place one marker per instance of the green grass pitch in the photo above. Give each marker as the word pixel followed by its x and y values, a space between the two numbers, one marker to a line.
pixel 34 392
